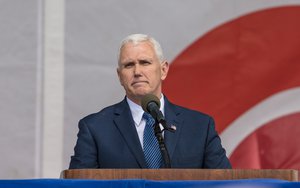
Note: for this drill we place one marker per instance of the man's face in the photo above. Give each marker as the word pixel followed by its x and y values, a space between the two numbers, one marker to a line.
pixel 140 71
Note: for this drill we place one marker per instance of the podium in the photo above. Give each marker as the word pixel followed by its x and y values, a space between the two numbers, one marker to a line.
pixel 179 174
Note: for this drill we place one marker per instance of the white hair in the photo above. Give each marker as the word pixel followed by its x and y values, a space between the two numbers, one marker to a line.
pixel 137 38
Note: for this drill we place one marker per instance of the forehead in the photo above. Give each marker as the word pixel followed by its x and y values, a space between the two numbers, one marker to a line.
pixel 141 48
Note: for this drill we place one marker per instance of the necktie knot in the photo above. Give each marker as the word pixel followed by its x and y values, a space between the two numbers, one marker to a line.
pixel 149 119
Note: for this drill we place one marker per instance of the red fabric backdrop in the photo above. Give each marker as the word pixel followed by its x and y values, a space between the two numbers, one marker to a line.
pixel 238 65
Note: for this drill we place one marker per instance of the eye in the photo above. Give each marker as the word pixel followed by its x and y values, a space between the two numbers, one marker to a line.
pixel 128 65
pixel 145 62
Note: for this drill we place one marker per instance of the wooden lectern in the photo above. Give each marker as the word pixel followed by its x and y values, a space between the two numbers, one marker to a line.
pixel 179 174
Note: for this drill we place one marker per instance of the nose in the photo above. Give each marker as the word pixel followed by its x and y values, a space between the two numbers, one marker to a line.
pixel 137 70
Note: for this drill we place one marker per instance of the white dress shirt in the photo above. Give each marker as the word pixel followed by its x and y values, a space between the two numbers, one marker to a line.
pixel 137 114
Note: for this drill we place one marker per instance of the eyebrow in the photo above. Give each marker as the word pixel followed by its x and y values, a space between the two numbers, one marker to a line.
pixel 139 60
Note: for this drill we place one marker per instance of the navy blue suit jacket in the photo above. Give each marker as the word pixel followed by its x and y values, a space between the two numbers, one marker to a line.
pixel 108 139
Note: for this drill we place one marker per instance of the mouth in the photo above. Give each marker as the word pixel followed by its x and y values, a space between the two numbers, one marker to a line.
pixel 139 82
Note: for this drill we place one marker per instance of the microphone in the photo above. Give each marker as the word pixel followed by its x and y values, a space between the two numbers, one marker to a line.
pixel 151 105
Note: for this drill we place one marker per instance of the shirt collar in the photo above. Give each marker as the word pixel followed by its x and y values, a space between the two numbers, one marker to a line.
pixel 137 111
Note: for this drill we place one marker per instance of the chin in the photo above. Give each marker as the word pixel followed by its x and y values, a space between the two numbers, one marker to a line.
pixel 142 92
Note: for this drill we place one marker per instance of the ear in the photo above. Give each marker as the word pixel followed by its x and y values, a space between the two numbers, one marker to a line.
pixel 119 75
pixel 164 70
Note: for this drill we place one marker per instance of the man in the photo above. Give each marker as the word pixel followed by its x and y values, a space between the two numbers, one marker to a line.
pixel 114 137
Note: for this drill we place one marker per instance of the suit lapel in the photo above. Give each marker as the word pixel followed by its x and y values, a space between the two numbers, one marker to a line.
pixel 125 124
pixel 172 118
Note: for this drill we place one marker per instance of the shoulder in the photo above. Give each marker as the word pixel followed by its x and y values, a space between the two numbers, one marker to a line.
pixel 189 114
pixel 189 111
pixel 106 114
pixel 194 114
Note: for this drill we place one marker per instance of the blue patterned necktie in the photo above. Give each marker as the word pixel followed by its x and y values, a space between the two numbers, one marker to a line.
pixel 151 148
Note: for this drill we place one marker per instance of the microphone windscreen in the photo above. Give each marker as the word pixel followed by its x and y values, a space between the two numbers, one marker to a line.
pixel 147 99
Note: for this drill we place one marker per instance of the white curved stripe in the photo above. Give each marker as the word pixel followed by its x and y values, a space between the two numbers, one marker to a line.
pixel 275 106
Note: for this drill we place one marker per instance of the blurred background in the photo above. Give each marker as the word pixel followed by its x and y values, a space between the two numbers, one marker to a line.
pixel 238 61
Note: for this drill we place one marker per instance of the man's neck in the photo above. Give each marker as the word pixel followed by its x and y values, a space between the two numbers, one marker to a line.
pixel 137 100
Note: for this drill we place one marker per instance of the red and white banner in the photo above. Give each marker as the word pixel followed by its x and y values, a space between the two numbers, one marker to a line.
pixel 246 74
